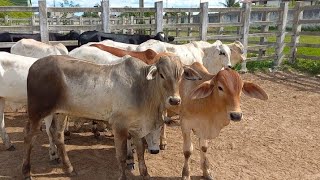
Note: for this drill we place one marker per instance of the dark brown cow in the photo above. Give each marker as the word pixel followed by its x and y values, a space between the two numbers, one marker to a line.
pixel 130 96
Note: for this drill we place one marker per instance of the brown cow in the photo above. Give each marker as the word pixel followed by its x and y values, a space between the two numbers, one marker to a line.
pixel 130 95
pixel 207 106
pixel 146 56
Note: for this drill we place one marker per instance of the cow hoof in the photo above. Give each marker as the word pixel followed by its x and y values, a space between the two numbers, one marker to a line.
pixel 186 177
pixel 130 167
pixel 67 133
pixel 28 178
pixel 146 177
pixel 11 148
pixel 163 146
pixel 55 161
pixel 73 173
pixel 208 177
pixel 154 151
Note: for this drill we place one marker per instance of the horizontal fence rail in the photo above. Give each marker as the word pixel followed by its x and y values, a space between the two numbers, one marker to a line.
pixel 188 24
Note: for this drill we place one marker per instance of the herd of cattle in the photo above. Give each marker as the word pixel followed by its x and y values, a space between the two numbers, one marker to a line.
pixel 131 82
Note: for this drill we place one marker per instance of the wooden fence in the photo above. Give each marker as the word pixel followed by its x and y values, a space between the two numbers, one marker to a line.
pixel 200 30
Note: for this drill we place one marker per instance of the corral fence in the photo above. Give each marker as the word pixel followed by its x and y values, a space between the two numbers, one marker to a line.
pixel 197 24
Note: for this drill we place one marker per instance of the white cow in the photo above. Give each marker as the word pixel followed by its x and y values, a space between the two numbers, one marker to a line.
pixel 95 55
pixel 36 49
pixel 13 86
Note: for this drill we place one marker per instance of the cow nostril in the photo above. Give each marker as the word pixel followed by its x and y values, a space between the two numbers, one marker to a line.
pixel 235 116
pixel 229 66
pixel 174 101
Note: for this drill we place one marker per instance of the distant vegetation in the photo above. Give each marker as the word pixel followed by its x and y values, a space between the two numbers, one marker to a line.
pixel 13 14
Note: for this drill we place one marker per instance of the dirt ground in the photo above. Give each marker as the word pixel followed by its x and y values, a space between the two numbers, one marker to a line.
pixel 277 139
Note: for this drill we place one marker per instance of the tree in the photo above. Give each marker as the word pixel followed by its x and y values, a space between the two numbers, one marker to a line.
pixel 92 14
pixel 231 3
pixel 67 3
pixel 175 14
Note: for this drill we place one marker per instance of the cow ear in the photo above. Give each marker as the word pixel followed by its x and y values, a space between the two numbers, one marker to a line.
pixel 202 91
pixel 152 73
pixel 191 74
pixel 254 91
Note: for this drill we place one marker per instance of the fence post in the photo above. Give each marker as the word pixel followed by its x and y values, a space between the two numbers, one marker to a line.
pixel 105 16
pixel 264 28
pixel 246 8
pixel 159 16
pixel 296 29
pixel 43 21
pixel 190 20
pixel 203 20
pixel 283 14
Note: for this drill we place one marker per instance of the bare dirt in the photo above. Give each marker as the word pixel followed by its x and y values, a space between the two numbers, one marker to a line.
pixel 277 139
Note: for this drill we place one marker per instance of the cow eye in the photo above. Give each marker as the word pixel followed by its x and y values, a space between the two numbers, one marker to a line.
pixel 161 75
pixel 222 53
pixel 220 88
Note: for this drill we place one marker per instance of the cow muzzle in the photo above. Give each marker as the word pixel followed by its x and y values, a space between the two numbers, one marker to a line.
pixel 174 100
pixel 235 116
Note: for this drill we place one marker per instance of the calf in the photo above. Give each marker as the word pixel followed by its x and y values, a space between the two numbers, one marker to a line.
pixel 207 106
pixel 104 92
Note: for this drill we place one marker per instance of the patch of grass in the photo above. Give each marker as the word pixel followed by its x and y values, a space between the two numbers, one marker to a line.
pixel 307 66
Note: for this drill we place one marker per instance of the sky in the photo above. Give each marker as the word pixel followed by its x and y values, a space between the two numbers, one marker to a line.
pixel 135 3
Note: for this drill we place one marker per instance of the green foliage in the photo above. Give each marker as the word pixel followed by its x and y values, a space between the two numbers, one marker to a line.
pixel 13 14
pixel 91 14
pixel 303 65
pixel 137 14
pixel 231 3
pixel 175 14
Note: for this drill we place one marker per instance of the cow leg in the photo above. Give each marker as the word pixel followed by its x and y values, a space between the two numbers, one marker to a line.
pixel 120 141
pixel 3 132
pixel 31 129
pixel 187 151
pixel 163 137
pixel 53 153
pixel 130 158
pixel 67 131
pixel 95 130
pixel 204 161
pixel 140 148
pixel 57 129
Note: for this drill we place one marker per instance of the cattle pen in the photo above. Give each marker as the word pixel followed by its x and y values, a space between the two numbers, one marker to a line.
pixel 276 139
pixel 252 25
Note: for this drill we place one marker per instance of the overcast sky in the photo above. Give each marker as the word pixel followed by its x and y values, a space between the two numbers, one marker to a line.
pixel 135 3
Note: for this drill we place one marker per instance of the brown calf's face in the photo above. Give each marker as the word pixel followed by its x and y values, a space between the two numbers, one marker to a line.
pixel 168 72
pixel 225 89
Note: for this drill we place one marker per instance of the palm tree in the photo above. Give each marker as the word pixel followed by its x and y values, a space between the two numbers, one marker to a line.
pixel 231 3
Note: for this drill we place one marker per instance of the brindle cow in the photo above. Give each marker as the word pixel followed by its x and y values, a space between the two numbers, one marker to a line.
pixel 130 95
pixel 207 106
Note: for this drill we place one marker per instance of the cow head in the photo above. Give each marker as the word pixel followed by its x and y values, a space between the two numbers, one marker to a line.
pixel 216 57
pixel 167 73
pixel 160 36
pixel 224 90
pixel 153 141
pixel 73 35
pixel 237 52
